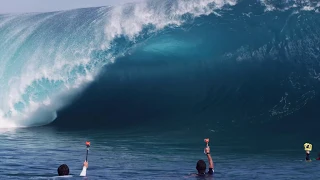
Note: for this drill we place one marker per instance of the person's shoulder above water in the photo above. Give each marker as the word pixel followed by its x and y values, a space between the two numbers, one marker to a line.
pixel 211 171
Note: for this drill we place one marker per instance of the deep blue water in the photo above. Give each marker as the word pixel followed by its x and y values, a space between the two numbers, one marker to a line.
pixel 147 82
pixel 37 153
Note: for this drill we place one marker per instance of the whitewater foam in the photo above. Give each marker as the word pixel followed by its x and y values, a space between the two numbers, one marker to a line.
pixel 130 20
pixel 304 5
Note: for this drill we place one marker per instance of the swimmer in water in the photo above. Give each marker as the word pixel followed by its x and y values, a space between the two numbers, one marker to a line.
pixel 63 170
pixel 201 165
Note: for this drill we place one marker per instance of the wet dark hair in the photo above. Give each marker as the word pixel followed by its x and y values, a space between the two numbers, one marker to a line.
pixel 63 170
pixel 201 166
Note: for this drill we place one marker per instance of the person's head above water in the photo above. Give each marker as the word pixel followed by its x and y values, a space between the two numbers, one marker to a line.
pixel 63 170
pixel 201 167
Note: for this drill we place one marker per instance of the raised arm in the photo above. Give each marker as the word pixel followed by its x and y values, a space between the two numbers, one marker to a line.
pixel 207 150
pixel 210 161
pixel 308 156
pixel 84 169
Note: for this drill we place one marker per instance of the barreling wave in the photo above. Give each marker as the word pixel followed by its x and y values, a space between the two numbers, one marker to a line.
pixel 44 56
pixel 220 60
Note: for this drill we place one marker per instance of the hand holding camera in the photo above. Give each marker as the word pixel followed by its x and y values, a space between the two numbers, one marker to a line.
pixel 207 148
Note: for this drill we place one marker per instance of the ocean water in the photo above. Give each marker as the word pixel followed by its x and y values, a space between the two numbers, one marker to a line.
pixel 147 82
pixel 135 154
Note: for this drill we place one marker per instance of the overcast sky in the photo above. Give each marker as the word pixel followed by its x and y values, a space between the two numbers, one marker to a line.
pixel 21 6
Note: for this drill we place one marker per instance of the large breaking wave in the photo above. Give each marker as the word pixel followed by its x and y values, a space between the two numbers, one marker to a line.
pixel 220 60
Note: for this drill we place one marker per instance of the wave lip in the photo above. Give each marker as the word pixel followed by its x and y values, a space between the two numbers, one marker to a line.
pixel 130 20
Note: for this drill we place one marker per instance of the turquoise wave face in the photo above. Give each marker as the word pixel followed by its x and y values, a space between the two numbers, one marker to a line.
pixel 230 50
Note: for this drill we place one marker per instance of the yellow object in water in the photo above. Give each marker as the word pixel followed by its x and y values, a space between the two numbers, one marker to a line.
pixel 307 147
